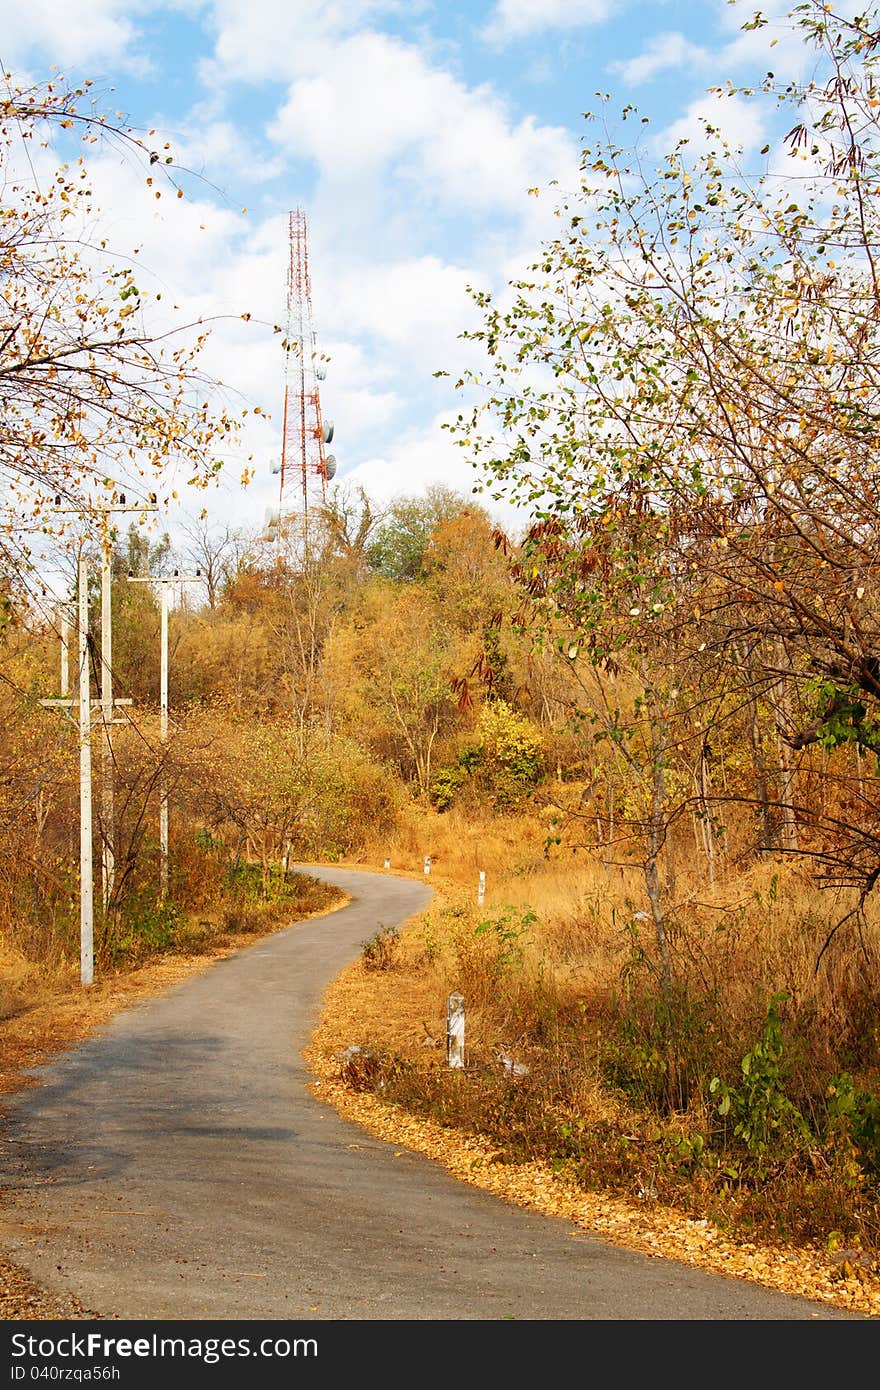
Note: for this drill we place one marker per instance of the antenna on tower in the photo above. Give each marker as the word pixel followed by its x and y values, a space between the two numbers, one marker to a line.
pixel 305 466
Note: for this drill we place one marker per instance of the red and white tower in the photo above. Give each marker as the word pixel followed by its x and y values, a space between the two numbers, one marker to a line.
pixel 306 467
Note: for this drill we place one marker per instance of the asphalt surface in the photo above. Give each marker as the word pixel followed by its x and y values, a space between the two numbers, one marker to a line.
pixel 175 1166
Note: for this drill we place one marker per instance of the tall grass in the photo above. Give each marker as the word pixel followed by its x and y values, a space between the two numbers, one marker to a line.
pixel 746 1089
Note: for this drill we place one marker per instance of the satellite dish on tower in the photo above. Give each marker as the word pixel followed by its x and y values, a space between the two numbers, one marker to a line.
pixel 328 431
pixel 331 467
pixel 321 373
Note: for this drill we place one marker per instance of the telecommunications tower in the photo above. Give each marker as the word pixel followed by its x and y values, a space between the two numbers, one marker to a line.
pixel 306 467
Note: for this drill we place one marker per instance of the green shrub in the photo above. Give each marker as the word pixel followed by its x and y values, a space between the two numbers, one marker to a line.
pixel 507 759
pixel 853 1121
pixel 146 929
pixel 765 1119
pixel 379 951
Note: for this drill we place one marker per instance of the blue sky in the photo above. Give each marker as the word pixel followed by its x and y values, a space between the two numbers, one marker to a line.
pixel 410 133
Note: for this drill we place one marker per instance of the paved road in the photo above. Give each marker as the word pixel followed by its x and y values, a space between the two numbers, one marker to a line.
pixel 175 1166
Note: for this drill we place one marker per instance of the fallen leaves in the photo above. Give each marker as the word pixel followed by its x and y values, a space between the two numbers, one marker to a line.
pixel 650 1228
pixel 21 1298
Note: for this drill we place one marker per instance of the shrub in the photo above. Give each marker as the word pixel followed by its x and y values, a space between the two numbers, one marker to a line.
pixel 764 1118
pixel 379 951
pixel 507 758
pixel 853 1122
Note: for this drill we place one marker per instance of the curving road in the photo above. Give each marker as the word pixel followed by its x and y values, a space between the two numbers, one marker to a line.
pixel 175 1166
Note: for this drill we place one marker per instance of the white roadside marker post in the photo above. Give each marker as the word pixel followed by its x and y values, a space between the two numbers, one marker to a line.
pixel 481 889
pixel 455 1031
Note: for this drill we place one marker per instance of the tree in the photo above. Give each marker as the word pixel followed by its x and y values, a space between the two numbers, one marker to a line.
pixel 400 544
pixel 470 583
pixel 350 517
pixel 215 552
pixel 688 389
pixel 91 398
pixel 391 668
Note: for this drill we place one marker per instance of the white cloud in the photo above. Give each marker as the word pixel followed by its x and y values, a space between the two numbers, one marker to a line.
pixel 382 107
pixel 212 148
pixel 738 122
pixel 663 51
pixel 421 458
pixel 274 40
pixel 417 306
pixel 516 19
pixel 93 30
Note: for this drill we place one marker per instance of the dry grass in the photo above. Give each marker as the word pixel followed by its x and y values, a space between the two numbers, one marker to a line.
pixel 352 1007
pixel 758 931
pixel 573 995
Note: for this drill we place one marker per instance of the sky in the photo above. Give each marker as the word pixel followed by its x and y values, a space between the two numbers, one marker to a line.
pixel 427 143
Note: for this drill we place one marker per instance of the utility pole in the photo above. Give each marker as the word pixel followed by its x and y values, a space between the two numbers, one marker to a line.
pixel 163 735
pixel 64 628
pixel 84 702
pixel 108 817
pixel 108 850
pixel 163 581
pixel 86 905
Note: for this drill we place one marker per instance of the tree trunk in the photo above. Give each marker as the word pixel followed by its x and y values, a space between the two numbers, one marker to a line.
pixel 786 763
pixel 759 772
pixel 705 819
pixel 654 847
pixel 786 794
pixel 756 747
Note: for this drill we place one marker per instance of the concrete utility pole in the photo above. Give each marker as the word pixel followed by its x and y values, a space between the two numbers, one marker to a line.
pixel 108 851
pixel 163 734
pixel 86 905
pixel 64 628
pixel 83 702
pixel 163 582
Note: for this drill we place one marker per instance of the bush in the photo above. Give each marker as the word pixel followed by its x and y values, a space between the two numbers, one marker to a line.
pixel 147 928
pixel 765 1119
pixel 379 951
pixel 853 1122
pixel 507 759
